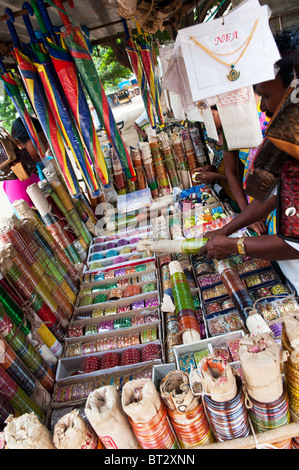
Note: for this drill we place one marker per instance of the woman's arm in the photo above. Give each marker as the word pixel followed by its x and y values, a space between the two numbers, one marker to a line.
pixel 254 212
pixel 268 247
pixel 232 171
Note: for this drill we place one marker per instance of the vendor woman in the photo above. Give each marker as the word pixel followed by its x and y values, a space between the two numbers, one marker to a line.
pixel 15 189
pixel 270 247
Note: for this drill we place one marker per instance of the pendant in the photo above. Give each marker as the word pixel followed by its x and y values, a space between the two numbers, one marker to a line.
pixel 233 74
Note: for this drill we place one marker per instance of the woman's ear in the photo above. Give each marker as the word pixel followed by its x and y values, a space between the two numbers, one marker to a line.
pixel 19 144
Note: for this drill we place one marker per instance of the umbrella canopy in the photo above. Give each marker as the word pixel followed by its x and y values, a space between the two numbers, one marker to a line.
pixel 77 46
pixel 68 77
pixel 59 106
pixel 13 89
pixel 66 72
pixel 46 117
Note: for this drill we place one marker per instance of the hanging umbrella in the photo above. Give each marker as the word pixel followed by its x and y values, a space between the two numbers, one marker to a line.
pixel 76 44
pixel 42 109
pixel 62 115
pixel 13 89
pixel 147 61
pixel 67 74
pixel 141 80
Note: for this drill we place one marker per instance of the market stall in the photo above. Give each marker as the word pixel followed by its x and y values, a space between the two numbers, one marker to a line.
pixel 118 330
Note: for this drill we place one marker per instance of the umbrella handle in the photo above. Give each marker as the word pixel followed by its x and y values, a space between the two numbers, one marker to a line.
pixel 2 66
pixel 27 6
pixel 45 16
pixel 39 17
pixel 64 18
pixel 12 28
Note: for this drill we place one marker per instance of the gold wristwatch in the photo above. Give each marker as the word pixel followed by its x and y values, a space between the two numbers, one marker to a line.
pixel 241 246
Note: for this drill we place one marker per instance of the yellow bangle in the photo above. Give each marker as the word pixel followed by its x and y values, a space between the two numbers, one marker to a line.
pixel 241 246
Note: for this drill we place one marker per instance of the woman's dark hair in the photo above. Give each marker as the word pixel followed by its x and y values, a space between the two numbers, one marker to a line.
pixel 287 42
pixel 19 132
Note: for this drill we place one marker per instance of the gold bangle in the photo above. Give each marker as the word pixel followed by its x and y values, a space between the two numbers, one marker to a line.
pixel 241 246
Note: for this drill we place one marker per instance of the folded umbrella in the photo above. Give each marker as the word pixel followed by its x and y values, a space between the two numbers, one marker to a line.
pixel 77 46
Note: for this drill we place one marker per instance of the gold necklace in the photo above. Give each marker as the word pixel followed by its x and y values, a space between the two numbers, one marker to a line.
pixel 233 73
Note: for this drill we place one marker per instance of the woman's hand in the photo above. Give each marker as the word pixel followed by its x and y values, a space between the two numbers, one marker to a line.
pixel 219 247
pixel 208 177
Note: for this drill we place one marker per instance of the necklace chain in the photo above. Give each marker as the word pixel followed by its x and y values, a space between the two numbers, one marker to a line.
pixel 213 54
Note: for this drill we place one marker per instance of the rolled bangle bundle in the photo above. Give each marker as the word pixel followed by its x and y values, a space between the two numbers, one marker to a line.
pixel 55 227
pixel 26 352
pixel 15 313
pixel 118 174
pixel 237 292
pixel 23 282
pixel 147 415
pixel 178 149
pixel 28 249
pixel 160 171
pixel 46 239
pixel 189 150
pixel 12 306
pixel 185 411
pixel 51 264
pixel 115 294
pixel 39 286
pixel 267 416
pixel 149 168
pixel 198 146
pixel 132 290
pixel 16 396
pixel 6 409
pixel 291 372
pixel 15 368
pixel 183 302
pixel 137 162
pixel 228 419
pixel 169 160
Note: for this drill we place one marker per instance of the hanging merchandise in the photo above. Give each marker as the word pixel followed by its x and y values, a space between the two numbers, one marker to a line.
pixel 76 44
pixel 147 415
pixel 67 73
pixel 238 111
pixel 146 56
pixel 105 413
pixel 141 80
pixel 186 412
pixel 43 111
pixel 229 53
pixel 183 302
